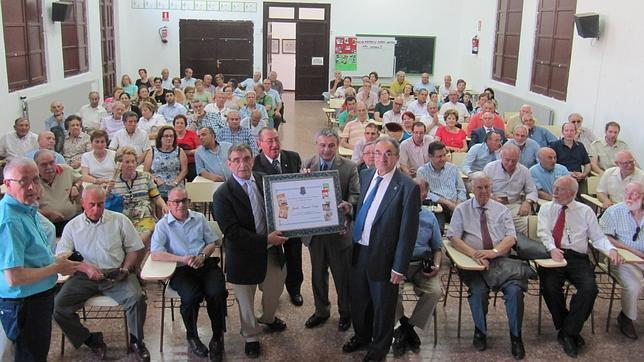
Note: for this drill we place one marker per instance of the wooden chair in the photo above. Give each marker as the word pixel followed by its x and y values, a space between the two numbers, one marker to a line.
pixel 591 196
pixel 458 158
pixel 555 129
pixel 201 192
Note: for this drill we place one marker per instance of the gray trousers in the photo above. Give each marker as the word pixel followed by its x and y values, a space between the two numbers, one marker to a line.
pixel 271 288
pixel 78 289
pixel 429 293
pixel 325 254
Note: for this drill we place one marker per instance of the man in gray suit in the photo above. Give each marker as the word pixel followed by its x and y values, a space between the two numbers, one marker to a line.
pixel 332 250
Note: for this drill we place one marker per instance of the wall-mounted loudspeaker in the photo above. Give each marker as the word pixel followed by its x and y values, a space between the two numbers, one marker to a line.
pixel 60 10
pixel 587 25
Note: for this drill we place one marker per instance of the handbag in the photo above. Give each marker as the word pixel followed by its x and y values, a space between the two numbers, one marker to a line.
pixel 528 249
pixel 114 202
pixel 504 269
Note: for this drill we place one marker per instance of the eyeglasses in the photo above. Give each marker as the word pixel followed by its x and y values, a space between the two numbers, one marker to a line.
pixel 637 233
pixel 181 201
pixel 627 163
pixel 25 182
pixel 387 154
pixel 575 121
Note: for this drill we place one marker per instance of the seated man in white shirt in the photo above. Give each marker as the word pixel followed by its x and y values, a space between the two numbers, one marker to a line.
pixel 366 95
pixel 92 113
pixel 433 120
pixel 19 141
pixel 413 151
pixel 255 122
pixel 249 83
pixel 219 106
pixel 424 83
pixel 463 114
pixel 419 106
pixel 565 226
pixel 395 113
pixel 610 189
pixel 131 136
pixel 340 92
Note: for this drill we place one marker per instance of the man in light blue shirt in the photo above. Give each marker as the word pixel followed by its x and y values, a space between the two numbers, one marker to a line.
pixel 483 153
pixel 171 108
pixel 249 83
pixel 541 135
pixel 46 141
pixel 424 83
pixel 545 173
pixel 528 146
pixel 184 236
pixel 58 116
pixel 211 156
pixel 188 80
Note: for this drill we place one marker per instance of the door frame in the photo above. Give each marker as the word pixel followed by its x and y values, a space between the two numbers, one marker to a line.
pixel 296 7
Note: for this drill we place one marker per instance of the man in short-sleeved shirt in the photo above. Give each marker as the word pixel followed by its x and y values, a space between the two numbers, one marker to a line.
pixel 602 152
pixel 571 153
pixel 545 173
pixel 171 108
pixel 354 130
pixel 19 141
pixel 610 189
pixel 211 156
pixel 413 151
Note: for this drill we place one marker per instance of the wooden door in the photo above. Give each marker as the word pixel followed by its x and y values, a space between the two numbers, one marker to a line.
pixel 553 47
pixel 107 47
pixel 210 47
pixel 312 48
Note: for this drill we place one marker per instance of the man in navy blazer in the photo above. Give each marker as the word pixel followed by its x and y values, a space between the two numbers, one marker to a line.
pixel 478 135
pixel 253 256
pixel 384 233
pixel 274 160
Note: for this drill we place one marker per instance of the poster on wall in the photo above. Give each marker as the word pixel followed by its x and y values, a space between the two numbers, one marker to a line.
pixel 346 53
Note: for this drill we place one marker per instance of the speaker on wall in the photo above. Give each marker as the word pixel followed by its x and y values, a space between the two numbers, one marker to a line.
pixel 587 25
pixel 60 10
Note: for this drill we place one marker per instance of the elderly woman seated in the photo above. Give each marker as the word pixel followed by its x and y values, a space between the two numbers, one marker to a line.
pixel 76 143
pixel 98 165
pixel 139 192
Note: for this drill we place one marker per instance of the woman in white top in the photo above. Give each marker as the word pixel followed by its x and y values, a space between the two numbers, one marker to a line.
pixel 98 165
pixel 150 121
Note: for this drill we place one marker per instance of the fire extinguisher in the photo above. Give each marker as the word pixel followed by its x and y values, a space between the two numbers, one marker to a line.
pixel 163 33
pixel 475 44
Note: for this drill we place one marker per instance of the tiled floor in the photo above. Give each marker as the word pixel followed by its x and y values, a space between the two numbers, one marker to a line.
pixel 297 343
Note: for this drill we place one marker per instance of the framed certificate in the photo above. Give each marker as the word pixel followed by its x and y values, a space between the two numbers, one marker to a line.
pixel 303 204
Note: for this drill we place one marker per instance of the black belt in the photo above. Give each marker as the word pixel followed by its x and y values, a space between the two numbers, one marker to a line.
pixel 31 297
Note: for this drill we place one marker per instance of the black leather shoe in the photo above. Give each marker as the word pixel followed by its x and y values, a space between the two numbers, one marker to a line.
pixel 277 325
pixel 96 344
pixel 216 348
pixel 252 349
pixel 314 321
pixel 140 351
pixel 568 344
pixel 399 345
pixel 413 341
pixel 297 299
pixel 197 348
pixel 353 345
pixel 626 326
pixel 579 341
pixel 480 340
pixel 372 358
pixel 344 324
pixel 518 352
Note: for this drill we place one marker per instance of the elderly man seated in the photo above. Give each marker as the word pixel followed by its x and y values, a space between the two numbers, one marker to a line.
pixel 111 249
pixel 610 189
pixel 483 153
pixel 517 119
pixel 539 134
pixel 236 134
pixel 19 141
pixel 185 237
pixel 47 141
pixel 487 125
pixel 254 122
pixel 413 151
pixel 353 131
pixel 545 173
pixel 371 133
pixel 57 118
pixel 61 186
pixel 527 146
pixel 565 226
pixel 131 136
pixel 477 121
pixel 583 135
pixel 463 114
pixel 622 225
pixel 211 156
pixel 488 242
pixel 512 186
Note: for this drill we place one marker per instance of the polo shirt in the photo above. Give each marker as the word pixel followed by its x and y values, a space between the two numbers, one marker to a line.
pixel 612 183
pixel 213 161
pixel 574 158
pixel 13 146
pixel 354 130
pixel 543 179
pixel 137 140
pixel 56 196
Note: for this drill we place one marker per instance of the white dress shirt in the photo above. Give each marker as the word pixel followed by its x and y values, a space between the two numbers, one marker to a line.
pixel 92 116
pixel 137 140
pixel 13 146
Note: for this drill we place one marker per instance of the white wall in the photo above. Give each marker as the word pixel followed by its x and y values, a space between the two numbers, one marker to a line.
pixel 284 64
pixel 604 79
pixel 56 82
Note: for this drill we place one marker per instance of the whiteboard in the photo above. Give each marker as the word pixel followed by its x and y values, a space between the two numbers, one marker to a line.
pixel 374 54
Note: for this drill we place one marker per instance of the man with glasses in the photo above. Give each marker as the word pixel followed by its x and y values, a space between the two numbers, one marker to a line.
pixel 254 257
pixel 394 114
pixel 384 234
pixel 583 135
pixel 610 189
pixel 622 223
pixel 273 160
pixel 185 237
pixel 565 226
pixel 29 269
pixel 331 251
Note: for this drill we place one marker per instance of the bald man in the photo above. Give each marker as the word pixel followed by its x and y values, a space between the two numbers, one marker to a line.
pixel 57 118
pixel 46 141
pixel 610 189
pixel 546 172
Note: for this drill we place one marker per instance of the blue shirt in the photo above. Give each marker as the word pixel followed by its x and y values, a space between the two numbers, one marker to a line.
pixel 213 162
pixel 57 156
pixel 188 237
pixel 542 136
pixel 243 135
pixel 618 223
pixel 51 122
pixel 170 111
pixel 445 183
pixel 429 86
pixel 24 244
pixel 210 119
pixel 249 84
pixel 477 157
pixel 244 112
pixel 429 234
pixel 543 179
pixel 528 156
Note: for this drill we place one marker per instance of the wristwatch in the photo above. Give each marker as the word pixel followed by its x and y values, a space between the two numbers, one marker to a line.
pixel 202 254
pixel 495 251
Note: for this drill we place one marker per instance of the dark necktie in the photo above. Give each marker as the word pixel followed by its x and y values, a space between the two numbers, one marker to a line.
pixel 276 166
pixel 557 231
pixel 358 226
pixel 485 232
pixel 324 166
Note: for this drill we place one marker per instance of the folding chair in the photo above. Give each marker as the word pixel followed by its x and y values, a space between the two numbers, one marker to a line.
pixel 201 192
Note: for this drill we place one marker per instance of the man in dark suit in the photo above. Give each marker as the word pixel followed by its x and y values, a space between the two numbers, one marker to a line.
pixel 253 257
pixel 478 135
pixel 384 233
pixel 332 250
pixel 273 160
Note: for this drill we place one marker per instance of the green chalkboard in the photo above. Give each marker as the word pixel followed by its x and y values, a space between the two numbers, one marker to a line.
pixel 415 54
